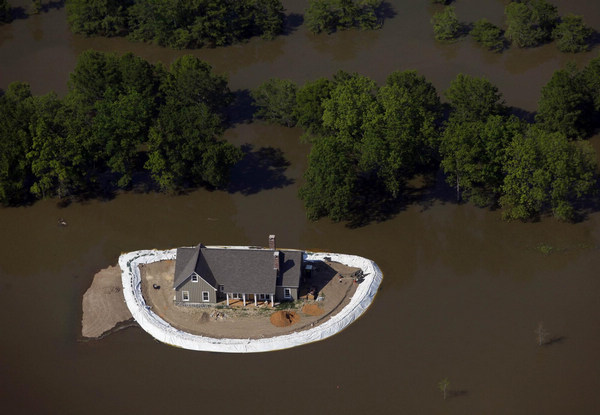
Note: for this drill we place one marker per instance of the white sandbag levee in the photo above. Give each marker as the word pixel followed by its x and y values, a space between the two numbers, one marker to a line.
pixel 164 332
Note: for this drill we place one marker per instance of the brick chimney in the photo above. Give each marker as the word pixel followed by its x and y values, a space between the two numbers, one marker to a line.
pixel 276 262
pixel 272 242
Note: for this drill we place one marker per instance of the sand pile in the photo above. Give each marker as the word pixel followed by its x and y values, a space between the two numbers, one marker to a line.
pixel 284 318
pixel 312 310
pixel 104 304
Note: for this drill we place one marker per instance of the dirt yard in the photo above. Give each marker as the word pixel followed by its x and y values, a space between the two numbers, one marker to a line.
pixel 104 306
pixel 330 284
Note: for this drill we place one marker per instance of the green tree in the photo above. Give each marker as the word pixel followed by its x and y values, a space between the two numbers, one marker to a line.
pixel 275 100
pixel 330 180
pixel 473 155
pixel 54 157
pixel 591 79
pixel 5 12
pixel 309 104
pixel 268 18
pixel 184 150
pixel 190 81
pixel 530 23
pixel 98 17
pixel 565 105
pixel 473 98
pixel 16 110
pixel 445 25
pixel 331 15
pixel 572 35
pixel 348 108
pixel 545 171
pixel 488 35
pixel 320 17
pixel 401 132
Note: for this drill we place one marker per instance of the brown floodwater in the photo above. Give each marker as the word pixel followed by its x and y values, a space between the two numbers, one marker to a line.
pixel 462 295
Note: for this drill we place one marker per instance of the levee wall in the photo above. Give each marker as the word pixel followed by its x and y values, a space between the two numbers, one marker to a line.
pixel 164 332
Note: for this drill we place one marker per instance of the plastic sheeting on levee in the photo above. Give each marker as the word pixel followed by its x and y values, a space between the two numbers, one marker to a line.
pixel 164 332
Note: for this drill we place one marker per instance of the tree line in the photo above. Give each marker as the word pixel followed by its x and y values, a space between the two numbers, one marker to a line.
pixel 178 23
pixel 184 24
pixel 368 141
pixel 121 116
pixel 528 23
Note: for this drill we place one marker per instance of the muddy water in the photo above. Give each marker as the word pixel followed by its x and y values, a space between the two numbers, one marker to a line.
pixel 462 294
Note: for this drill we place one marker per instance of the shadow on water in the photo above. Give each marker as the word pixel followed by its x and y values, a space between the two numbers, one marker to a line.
pixel 20 13
pixel 260 169
pixel 241 111
pixel 554 340
pixel 291 23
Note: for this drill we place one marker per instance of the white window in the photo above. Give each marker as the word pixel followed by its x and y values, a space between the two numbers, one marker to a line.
pixel 287 293
pixel 185 295
pixel 236 296
pixel 221 288
pixel 205 296
pixel 194 277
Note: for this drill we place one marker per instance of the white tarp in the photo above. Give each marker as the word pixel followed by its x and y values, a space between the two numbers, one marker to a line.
pixel 164 332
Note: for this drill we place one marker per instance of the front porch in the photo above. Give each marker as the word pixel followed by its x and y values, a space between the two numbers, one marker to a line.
pixel 243 300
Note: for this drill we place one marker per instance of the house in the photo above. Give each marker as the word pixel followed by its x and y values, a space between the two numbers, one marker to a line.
pixel 205 276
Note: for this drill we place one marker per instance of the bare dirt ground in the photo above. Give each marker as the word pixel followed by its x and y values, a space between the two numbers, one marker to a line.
pixel 331 284
pixel 104 306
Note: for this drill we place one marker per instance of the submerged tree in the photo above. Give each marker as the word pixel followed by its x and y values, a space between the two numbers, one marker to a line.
pixel 275 100
pixel 445 24
pixel 572 34
pixel 5 12
pixel 443 386
pixel 544 171
pixel 331 15
pixel 488 35
pixel 530 22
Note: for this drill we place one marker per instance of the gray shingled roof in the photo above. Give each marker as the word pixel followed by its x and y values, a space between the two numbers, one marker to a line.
pixel 291 264
pixel 242 270
pixel 185 264
pixel 238 270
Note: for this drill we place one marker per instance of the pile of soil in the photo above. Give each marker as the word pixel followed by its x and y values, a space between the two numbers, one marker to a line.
pixel 284 318
pixel 312 310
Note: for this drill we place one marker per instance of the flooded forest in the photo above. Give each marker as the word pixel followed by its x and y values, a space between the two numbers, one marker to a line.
pixel 465 294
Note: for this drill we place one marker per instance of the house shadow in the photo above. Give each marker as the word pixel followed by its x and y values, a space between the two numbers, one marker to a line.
pixel 260 169
pixel 312 283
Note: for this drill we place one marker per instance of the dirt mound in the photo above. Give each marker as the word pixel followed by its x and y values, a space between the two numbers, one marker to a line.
pixel 284 318
pixel 312 310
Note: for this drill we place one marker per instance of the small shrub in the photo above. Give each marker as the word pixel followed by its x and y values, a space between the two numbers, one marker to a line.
pixel 572 34
pixel 446 27
pixel 488 35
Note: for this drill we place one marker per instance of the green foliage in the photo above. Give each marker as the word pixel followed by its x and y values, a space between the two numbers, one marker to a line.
pixel 118 112
pixel 445 25
pixel 176 23
pixel 530 23
pixel 591 81
pixel 382 136
pixel 16 108
pixel 474 99
pixel 546 171
pixel 488 35
pixel 331 180
pixel 98 17
pixel 566 105
pixel 572 35
pixel 473 156
pixel 275 101
pixel 5 12
pixel 309 104
pixel 331 15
